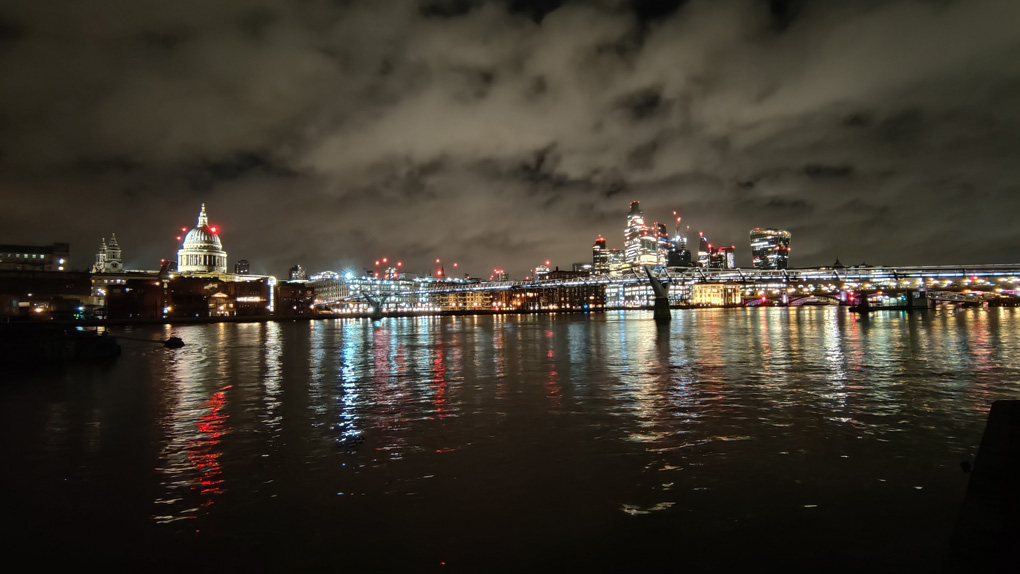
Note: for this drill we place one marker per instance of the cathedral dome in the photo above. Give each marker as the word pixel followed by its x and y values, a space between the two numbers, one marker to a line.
pixel 202 239
pixel 202 251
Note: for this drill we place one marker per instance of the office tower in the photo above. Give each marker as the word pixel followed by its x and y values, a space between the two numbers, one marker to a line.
pixel 723 257
pixel 242 267
pixel 770 248
pixel 704 250
pixel 600 256
pixel 634 233
pixel 663 244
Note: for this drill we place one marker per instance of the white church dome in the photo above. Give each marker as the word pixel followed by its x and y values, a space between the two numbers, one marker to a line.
pixel 202 251
pixel 202 238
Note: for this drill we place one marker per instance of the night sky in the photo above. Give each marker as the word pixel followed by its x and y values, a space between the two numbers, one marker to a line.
pixel 501 134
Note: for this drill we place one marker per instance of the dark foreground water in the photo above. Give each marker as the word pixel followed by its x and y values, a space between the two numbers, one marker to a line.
pixel 808 438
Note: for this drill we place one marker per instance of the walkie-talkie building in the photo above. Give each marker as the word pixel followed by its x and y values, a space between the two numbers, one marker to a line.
pixel 770 248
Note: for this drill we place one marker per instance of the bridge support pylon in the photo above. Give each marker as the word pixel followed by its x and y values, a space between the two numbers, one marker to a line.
pixel 661 312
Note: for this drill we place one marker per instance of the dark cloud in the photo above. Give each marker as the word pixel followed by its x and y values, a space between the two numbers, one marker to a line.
pixel 504 133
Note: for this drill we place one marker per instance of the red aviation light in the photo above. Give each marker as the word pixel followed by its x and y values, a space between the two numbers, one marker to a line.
pixel 546 261
pixel 377 263
pixel 439 273
pixel 400 263
pixel 184 229
pixel 178 238
pixel 455 264
pixel 437 260
pixel 214 230
pixel 384 260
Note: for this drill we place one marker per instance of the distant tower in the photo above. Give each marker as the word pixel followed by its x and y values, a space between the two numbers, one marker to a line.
pixel 704 250
pixel 600 256
pixel 297 273
pixel 663 243
pixel 770 248
pixel 202 251
pixel 723 258
pixel 633 232
pixel 242 267
pixel 100 263
pixel 679 256
pixel 108 258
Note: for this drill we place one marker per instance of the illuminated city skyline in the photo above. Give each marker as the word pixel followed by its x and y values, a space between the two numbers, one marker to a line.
pixel 502 134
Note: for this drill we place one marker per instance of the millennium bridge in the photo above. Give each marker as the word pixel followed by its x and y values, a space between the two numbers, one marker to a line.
pixel 688 287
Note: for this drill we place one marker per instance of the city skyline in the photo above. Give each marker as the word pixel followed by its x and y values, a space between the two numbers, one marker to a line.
pixel 331 135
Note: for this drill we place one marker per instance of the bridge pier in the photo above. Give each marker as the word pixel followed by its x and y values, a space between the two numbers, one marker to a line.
pixel 661 312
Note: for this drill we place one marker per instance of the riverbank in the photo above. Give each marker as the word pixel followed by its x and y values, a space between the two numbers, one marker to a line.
pixel 397 314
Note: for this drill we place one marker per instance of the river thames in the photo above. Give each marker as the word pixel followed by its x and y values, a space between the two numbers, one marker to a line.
pixel 809 438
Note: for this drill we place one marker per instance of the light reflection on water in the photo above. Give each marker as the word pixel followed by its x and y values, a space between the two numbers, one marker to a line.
pixel 555 423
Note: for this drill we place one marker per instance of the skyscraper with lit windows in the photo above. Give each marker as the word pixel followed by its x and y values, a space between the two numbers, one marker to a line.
pixel 770 248
pixel 723 257
pixel 640 242
pixel 704 250
pixel 600 256
pixel 633 233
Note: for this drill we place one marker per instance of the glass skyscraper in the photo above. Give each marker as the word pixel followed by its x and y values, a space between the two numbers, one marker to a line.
pixel 770 248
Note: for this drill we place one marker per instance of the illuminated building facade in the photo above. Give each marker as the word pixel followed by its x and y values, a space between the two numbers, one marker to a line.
pixel 770 248
pixel 715 295
pixel 722 257
pixel 34 257
pixel 617 261
pixel 633 233
pixel 663 243
pixel 600 256
pixel 298 273
pixel 587 268
pixel 704 250
pixel 108 258
pixel 541 271
pixel 202 251
pixel 640 244
pixel 242 267
pixel 565 297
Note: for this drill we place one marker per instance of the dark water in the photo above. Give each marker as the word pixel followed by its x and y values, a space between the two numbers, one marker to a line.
pixel 804 438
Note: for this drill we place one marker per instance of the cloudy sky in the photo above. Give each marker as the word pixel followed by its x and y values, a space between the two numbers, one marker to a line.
pixel 501 134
